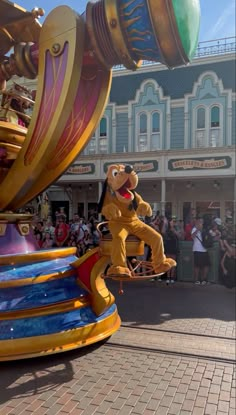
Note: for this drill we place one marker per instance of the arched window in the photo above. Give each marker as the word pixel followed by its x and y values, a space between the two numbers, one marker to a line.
pixel 208 129
pixel 214 139
pixel 155 131
pixel 143 123
pixel 142 136
pixel 201 118
pixel 103 137
pixel 91 147
pixel 215 117
pixel 98 143
pixel 155 122
pixel 103 127
pixel 201 128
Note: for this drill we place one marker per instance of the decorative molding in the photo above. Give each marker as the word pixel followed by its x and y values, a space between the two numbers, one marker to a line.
pixel 177 103
pixel 121 109
pixel 156 67
pixel 198 85
pixel 161 99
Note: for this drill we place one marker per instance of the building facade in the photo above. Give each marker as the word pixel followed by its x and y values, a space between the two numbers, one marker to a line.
pixel 176 127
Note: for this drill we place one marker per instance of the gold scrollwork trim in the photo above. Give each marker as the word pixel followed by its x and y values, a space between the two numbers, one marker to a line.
pixel 24 228
pixel 89 25
pixel 20 63
pixel 117 36
pixel 15 217
pixel 57 49
pixel 28 60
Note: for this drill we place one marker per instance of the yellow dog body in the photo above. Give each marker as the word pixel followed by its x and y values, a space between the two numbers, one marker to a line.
pixel 121 206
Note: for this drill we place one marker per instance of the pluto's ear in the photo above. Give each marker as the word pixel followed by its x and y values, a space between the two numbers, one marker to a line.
pixel 101 201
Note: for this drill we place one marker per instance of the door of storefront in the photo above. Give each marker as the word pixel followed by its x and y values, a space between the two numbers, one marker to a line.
pixel 57 205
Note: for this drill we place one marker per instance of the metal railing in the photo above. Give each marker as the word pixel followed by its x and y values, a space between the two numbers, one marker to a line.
pixel 216 47
pixel 205 48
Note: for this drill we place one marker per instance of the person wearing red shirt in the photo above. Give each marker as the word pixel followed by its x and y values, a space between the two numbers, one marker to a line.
pixel 188 229
pixel 62 231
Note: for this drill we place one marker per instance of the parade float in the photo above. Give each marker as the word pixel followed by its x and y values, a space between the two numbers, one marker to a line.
pixel 51 300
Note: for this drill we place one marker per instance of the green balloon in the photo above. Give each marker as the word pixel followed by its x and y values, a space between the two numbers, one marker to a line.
pixel 187 14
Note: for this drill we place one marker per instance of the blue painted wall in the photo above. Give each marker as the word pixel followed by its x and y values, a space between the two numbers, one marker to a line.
pixel 174 83
pixel 163 85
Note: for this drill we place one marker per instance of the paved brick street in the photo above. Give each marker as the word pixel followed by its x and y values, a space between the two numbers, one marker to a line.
pixel 174 354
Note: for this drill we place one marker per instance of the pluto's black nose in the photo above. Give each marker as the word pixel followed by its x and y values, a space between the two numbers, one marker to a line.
pixel 128 169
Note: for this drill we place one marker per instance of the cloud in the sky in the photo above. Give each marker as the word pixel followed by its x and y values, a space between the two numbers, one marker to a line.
pixel 225 22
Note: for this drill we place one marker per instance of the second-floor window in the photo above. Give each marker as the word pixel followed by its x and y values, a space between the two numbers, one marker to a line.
pixel 149 131
pixel 142 137
pixel 214 139
pixel 201 127
pixel 155 131
pixel 208 132
pixel 98 143
pixel 103 137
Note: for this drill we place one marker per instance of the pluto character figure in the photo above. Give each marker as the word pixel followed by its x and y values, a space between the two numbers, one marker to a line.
pixel 122 206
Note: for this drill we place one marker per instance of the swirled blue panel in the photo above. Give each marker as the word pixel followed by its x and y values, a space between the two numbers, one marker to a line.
pixel 54 323
pixel 37 269
pixel 135 21
pixel 38 295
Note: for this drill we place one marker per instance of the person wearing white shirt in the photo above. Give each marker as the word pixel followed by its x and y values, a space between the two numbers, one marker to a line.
pixel 200 254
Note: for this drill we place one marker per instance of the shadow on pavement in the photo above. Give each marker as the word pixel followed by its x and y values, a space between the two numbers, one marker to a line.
pixel 32 377
pixel 153 303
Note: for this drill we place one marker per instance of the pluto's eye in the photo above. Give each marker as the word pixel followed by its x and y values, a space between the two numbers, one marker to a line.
pixel 114 172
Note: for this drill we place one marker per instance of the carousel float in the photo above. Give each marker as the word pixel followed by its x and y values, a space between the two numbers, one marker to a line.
pixel 51 300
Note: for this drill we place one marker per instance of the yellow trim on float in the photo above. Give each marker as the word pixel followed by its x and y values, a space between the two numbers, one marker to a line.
pixel 62 307
pixel 36 280
pixel 16 349
pixel 38 256
pixel 101 298
pixel 84 258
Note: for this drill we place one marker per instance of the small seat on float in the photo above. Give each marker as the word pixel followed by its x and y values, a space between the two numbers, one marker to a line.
pixel 140 269
pixel 134 246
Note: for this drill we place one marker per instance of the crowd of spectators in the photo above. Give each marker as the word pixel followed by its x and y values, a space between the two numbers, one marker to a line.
pixel 77 233
pixel 84 235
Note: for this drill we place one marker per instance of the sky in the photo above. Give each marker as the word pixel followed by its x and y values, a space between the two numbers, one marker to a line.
pixel 217 16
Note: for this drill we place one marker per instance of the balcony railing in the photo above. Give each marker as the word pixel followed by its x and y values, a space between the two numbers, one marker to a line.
pixel 205 48
pixel 216 47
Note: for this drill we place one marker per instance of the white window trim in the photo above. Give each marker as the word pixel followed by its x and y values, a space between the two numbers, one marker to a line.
pixel 160 130
pixel 149 129
pixel 222 92
pixel 97 137
pixel 208 127
pixel 132 123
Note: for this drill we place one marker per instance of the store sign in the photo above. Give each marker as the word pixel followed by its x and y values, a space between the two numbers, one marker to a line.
pixel 139 166
pixel 201 163
pixel 88 168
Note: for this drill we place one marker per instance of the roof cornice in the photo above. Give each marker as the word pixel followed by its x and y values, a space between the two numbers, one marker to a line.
pixel 156 67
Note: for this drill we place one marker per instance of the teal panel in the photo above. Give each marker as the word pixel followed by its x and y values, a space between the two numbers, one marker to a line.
pixel 122 132
pixel 177 128
pixel 233 123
